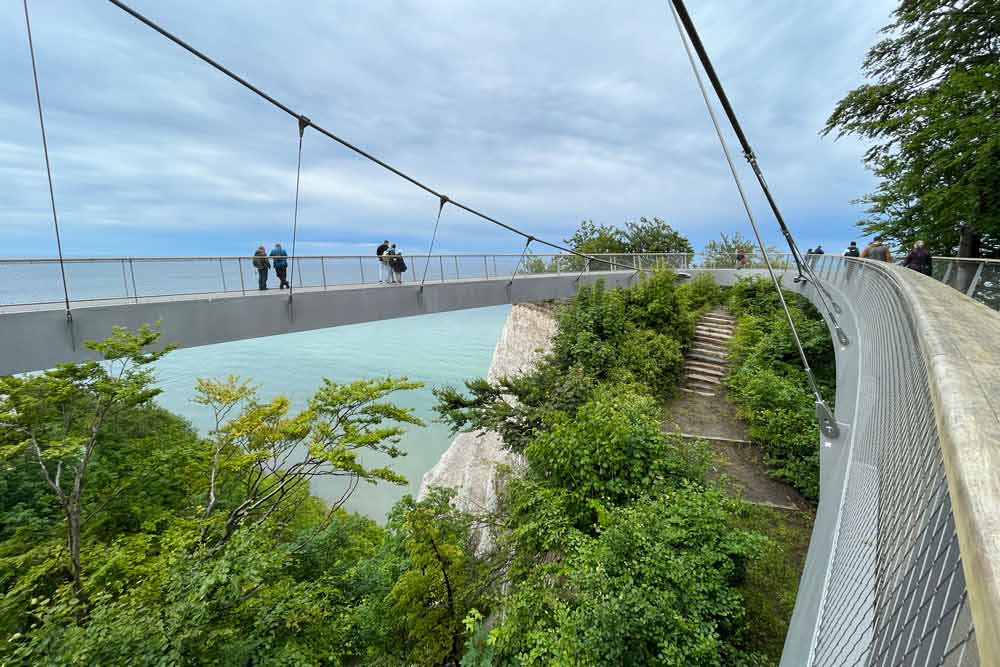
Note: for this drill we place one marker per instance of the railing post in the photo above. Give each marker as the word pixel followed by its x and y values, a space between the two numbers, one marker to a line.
pixel 222 274
pixel 495 272
pixel 975 280
pixel 299 272
pixel 131 268
pixel 486 268
pixel 361 265
pixel 243 286
pixel 124 279
pixel 322 269
pixel 441 267
pixel 458 276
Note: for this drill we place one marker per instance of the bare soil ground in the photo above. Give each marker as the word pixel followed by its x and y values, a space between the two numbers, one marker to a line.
pixel 739 466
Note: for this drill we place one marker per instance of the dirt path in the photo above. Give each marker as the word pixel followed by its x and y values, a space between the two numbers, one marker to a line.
pixel 707 413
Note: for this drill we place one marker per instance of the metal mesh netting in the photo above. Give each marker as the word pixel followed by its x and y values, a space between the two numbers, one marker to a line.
pixel 895 593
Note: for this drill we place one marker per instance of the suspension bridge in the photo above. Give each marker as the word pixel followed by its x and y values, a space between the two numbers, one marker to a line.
pixel 904 563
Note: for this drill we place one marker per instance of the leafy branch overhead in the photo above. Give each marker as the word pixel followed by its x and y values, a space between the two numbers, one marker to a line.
pixel 931 113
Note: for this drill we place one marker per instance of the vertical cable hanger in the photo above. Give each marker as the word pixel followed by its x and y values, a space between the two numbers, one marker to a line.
pixel 441 202
pixel 48 166
pixel 520 259
pixel 303 124
pixel 823 414
pixel 682 17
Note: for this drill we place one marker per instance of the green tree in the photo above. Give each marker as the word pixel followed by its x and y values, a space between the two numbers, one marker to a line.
pixel 442 582
pixel 654 236
pixel 273 456
pixel 61 419
pixel 591 239
pixel 930 113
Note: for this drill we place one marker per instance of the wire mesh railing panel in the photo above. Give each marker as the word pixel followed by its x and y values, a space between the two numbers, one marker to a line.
pixel 895 593
pixel 987 288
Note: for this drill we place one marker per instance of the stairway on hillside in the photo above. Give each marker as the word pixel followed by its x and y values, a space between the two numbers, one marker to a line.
pixel 705 361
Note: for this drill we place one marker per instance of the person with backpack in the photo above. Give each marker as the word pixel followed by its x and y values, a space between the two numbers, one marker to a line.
pixel 852 250
pixel 919 259
pixel 397 264
pixel 281 265
pixel 383 261
pixel 878 251
pixel 262 264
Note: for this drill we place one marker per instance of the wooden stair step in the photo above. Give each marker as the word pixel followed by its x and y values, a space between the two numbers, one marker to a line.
pixel 697 377
pixel 696 391
pixel 702 367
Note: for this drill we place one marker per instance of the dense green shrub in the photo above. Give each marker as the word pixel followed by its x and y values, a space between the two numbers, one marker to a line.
pixel 658 586
pixel 699 294
pixel 608 454
pixel 768 383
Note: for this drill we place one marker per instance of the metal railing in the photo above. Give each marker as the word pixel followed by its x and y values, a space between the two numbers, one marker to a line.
pixel 34 282
pixel 893 547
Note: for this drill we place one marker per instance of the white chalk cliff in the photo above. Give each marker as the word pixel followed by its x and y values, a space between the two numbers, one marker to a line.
pixel 470 464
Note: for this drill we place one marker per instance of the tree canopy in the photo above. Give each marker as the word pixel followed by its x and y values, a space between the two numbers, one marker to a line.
pixel 932 114
pixel 647 235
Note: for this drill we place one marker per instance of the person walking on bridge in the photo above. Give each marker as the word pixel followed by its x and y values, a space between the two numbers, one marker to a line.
pixel 878 251
pixel 383 263
pixel 262 264
pixel 919 259
pixel 852 250
pixel 281 265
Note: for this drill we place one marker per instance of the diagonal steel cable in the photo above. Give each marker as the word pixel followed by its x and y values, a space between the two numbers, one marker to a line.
pixel 823 413
pixel 48 166
pixel 681 16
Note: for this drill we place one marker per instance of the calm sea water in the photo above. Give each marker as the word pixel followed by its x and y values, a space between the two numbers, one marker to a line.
pixel 440 349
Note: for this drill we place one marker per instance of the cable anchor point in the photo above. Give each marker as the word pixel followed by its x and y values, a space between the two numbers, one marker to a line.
pixel 304 122
pixel 827 423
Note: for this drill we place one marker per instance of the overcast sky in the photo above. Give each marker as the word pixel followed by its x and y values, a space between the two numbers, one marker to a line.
pixel 541 114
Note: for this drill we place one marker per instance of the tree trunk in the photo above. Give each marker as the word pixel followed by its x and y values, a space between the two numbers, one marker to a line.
pixel 968 246
pixel 73 540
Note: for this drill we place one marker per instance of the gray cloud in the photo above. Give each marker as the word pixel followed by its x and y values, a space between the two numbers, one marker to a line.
pixel 541 114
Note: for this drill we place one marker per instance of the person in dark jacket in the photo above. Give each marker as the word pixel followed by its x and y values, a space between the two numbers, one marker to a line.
pixel 852 250
pixel 819 250
pixel 919 259
pixel 281 265
pixel 396 264
pixel 262 264
pixel 383 264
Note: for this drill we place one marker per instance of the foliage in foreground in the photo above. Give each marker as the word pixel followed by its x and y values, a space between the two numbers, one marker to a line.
pixel 767 382
pixel 610 549
pixel 618 552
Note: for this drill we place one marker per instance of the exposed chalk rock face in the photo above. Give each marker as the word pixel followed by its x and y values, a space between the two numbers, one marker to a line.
pixel 470 465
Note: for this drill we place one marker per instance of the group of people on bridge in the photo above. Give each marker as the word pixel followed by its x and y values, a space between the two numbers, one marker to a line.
pixel 919 258
pixel 390 263
pixel 262 262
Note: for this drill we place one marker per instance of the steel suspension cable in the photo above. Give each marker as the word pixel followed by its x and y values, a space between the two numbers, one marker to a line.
pixel 823 414
pixel 343 142
pixel 48 166
pixel 303 123
pixel 430 251
pixel 681 16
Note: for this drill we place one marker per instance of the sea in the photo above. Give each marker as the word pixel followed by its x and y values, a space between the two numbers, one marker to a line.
pixel 438 350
